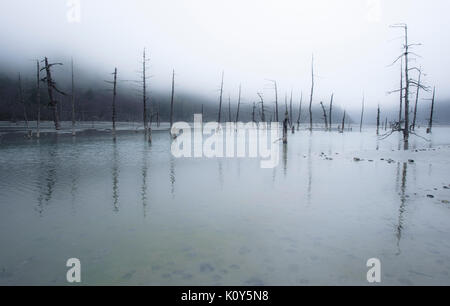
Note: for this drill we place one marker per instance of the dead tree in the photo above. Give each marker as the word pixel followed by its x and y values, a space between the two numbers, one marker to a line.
pixel 285 127
pixel 253 112
pixel 38 100
pixel 172 99
pixel 263 114
pixel 239 105
pixel 378 120
pixel 291 122
pixel 73 102
pixel 385 124
pixel 362 116
pixel 324 116
pixel 401 93
pixel 51 86
pixel 22 101
pixel 311 96
pixel 430 123
pixel 220 99
pixel 114 103
pixel 300 111
pixel 343 122
pixel 417 99
pixel 158 117
pixel 331 112
pixel 275 88
pixel 147 129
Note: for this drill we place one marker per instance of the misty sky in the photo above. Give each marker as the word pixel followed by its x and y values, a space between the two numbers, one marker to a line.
pixel 252 40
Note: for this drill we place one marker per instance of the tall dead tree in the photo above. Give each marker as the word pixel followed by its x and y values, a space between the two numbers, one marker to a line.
pixel 22 101
pixel 72 96
pixel 38 100
pixel 263 115
pixel 229 109
pixel 239 105
pixel 300 111
pixel 172 99
pixel 324 116
pixel 343 122
pixel 291 122
pixel 51 86
pixel 378 120
pixel 114 103
pixel 220 99
pixel 147 129
pixel 311 96
pixel 331 112
pixel 401 93
pixel 362 116
pixel 430 122
pixel 413 127
pixel 275 88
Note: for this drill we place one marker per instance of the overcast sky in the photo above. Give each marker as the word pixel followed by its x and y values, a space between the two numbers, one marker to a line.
pixel 251 40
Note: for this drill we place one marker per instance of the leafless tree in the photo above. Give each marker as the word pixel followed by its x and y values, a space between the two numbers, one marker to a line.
pixel 291 122
pixel 362 116
pixel 430 122
pixel 311 96
pixel 378 120
pixel 324 116
pixel 253 112
pixel 220 98
pixel 38 100
pixel 229 108
pixel 22 101
pixel 275 88
pixel 72 96
pixel 114 103
pixel 172 99
pixel 343 122
pixel 239 105
pixel 51 86
pixel 147 129
pixel 417 99
pixel 300 111
pixel 331 112
pixel 263 114
pixel 401 93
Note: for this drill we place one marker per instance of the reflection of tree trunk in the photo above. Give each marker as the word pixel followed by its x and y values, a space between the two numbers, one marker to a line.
pixel 402 206
pixel 144 183
pixel 115 176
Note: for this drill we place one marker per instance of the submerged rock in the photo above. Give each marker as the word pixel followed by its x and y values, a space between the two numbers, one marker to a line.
pixel 430 196
pixel 357 159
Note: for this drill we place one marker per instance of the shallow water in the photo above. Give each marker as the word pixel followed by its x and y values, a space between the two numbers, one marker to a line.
pixel 133 214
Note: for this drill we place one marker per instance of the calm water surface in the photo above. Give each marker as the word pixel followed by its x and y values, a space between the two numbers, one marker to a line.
pixel 133 214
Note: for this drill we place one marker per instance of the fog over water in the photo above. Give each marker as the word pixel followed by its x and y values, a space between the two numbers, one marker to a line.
pixel 252 41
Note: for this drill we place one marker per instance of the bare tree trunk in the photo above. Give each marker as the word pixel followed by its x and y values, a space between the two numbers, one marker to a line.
pixel 401 94
pixel 406 129
pixel 158 118
pixel 417 101
pixel 253 112
pixel 73 102
pixel 324 116
pixel 285 127
pixel 239 105
pixel 331 112
pixel 291 122
pixel 311 96
pixel 263 114
pixel 300 111
pixel 343 122
pixel 144 93
pixel 229 109
pixel 385 124
pixel 171 99
pixel 430 123
pixel 362 116
pixel 53 103
pixel 114 104
pixel 378 120
pixel 38 100
pixel 220 99
pixel 22 101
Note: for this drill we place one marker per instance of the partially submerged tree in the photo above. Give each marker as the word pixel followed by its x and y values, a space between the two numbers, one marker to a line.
pixel 72 96
pixel 38 100
pixel 331 112
pixel 324 116
pixel 275 88
pixel 220 99
pixel 299 111
pixel 51 87
pixel 239 105
pixel 263 115
pixel 430 122
pixel 172 99
pixel 147 129
pixel 362 116
pixel 311 96
pixel 22 102
pixel 378 120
